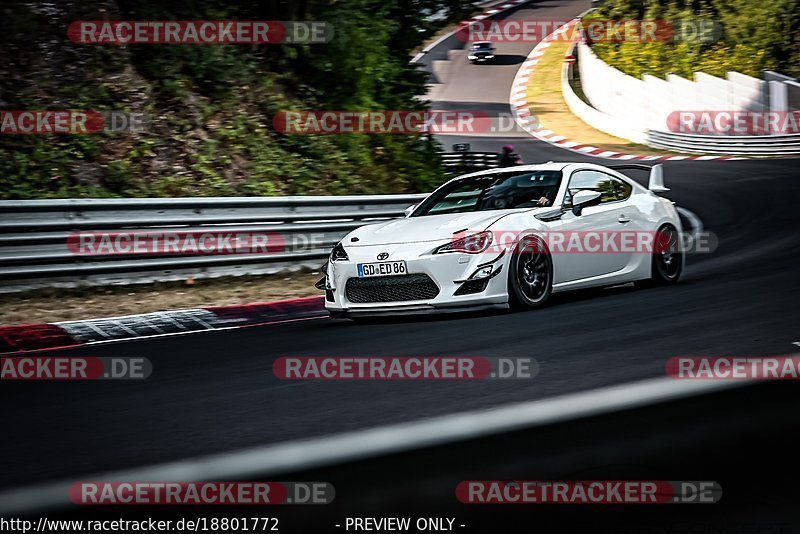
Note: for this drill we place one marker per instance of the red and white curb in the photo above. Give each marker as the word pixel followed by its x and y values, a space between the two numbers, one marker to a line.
pixel 29 337
pixel 528 122
pixel 477 18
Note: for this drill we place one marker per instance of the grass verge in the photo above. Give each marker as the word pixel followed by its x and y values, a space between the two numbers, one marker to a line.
pixel 52 305
pixel 547 103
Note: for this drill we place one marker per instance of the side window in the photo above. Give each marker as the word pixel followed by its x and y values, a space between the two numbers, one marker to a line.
pixel 623 188
pixel 610 187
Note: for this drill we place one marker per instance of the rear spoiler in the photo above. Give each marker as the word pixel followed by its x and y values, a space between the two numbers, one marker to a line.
pixel 656 184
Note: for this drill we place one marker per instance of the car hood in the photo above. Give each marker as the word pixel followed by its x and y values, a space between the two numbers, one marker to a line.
pixel 422 229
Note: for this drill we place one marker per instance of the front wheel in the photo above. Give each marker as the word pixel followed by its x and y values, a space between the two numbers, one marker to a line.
pixel 530 275
pixel 667 260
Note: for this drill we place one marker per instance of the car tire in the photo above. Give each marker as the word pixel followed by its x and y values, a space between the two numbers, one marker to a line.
pixel 666 266
pixel 530 275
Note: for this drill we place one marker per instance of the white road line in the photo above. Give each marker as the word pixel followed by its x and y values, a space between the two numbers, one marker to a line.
pixel 128 330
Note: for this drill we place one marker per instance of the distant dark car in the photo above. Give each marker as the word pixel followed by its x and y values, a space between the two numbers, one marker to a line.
pixel 481 52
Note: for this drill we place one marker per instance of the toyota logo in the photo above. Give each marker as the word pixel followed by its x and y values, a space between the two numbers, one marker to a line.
pixel 383 255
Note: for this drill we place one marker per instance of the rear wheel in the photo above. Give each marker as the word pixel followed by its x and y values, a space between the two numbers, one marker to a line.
pixel 667 261
pixel 530 275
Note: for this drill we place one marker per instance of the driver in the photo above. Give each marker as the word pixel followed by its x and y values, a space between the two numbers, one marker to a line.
pixel 548 196
pixel 501 198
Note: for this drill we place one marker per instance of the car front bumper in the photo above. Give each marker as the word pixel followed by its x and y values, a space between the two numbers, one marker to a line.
pixel 449 272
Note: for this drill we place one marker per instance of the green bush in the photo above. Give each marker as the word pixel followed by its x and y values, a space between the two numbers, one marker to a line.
pixel 755 36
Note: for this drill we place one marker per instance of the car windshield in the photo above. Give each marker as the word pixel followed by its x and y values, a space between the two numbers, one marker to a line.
pixel 482 46
pixel 499 191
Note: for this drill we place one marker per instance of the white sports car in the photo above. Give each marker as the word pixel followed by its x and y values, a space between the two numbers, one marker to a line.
pixel 509 236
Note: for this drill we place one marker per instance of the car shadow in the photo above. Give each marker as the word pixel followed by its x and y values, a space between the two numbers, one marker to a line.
pixel 435 316
pixel 508 59
pixel 559 299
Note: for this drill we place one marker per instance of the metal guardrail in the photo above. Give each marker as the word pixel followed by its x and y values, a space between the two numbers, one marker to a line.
pixel 34 235
pixel 750 145
pixel 463 162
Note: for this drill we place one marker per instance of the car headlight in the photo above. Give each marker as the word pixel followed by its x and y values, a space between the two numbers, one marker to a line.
pixel 338 253
pixel 471 244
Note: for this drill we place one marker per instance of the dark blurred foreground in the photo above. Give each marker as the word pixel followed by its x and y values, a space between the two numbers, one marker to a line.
pixel 743 438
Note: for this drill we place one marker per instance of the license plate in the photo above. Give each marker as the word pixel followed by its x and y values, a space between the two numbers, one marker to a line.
pixel 384 268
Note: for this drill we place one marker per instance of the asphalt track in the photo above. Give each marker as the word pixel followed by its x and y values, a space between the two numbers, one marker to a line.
pixel 214 392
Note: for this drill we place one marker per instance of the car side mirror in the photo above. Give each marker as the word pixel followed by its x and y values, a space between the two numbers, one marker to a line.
pixel 584 198
pixel 409 210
